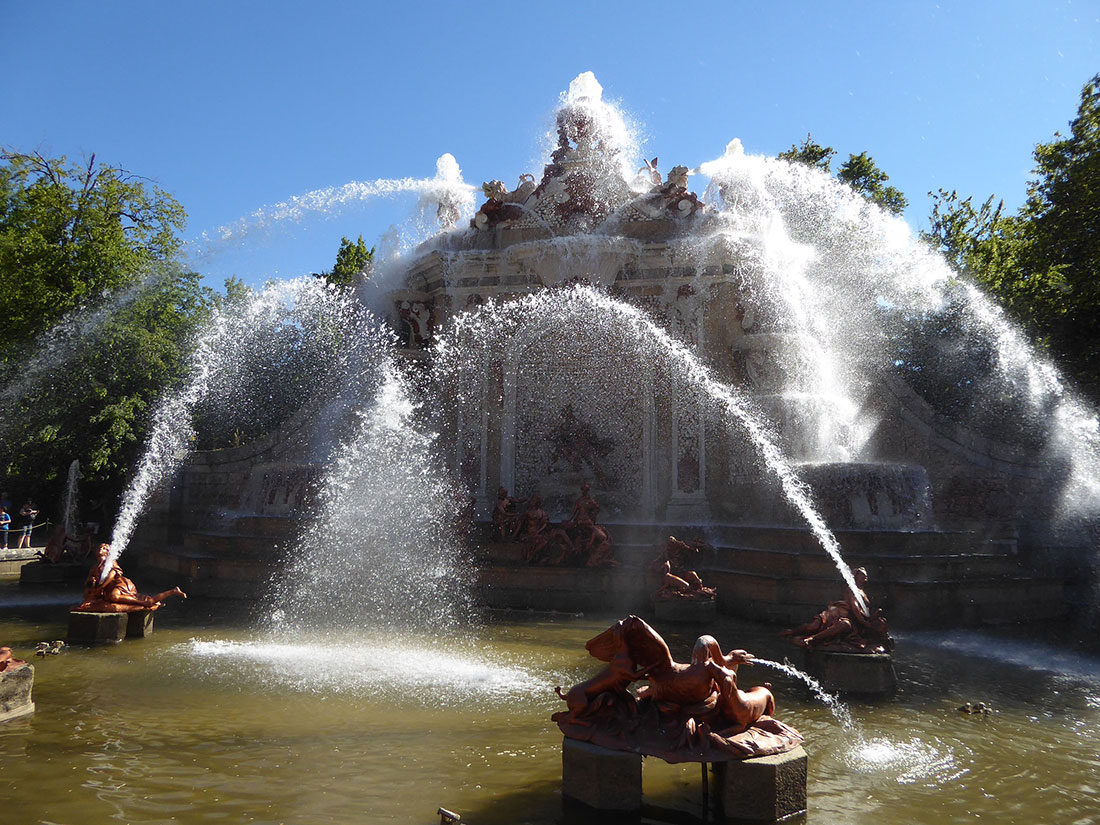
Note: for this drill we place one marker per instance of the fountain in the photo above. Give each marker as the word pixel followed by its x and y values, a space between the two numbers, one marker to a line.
pixel 720 366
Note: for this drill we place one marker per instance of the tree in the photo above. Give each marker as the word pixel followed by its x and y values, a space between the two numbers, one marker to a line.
pixel 68 234
pixel 810 153
pixel 1062 214
pixel 1041 263
pixel 862 174
pixel 859 171
pixel 351 259
pixel 98 320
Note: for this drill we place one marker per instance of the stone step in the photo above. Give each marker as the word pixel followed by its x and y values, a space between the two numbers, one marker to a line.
pixel 904 542
pixel 881 567
pixel 906 603
pixel 209 576
pixel 606 589
pixel 277 527
pixel 235 545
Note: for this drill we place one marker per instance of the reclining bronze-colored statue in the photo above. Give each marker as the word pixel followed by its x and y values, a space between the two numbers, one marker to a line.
pixel 845 626
pixel 684 712
pixel 678 580
pixel 116 593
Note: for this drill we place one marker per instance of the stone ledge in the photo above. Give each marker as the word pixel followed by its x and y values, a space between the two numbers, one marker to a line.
pixel 685 610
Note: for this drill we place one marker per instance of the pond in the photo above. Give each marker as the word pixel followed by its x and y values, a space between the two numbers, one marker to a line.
pixel 208 720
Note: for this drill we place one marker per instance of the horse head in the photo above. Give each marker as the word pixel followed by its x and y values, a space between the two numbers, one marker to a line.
pixel 608 644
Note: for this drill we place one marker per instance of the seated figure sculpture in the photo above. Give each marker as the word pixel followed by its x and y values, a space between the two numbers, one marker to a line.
pixel 685 712
pixel 505 515
pixel 538 535
pixel 591 541
pixel 845 626
pixel 116 593
pixel 678 580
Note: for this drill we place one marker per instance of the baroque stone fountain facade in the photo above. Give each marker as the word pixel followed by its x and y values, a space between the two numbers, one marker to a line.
pixel 937 517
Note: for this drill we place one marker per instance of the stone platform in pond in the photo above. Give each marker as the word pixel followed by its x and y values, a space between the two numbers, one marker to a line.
pixel 15 692
pixel 761 788
pixel 108 628
pixel 868 674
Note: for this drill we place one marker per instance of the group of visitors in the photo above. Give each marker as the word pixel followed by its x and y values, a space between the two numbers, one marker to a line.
pixel 23 523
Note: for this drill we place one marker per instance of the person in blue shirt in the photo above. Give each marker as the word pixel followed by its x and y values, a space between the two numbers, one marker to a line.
pixel 5 525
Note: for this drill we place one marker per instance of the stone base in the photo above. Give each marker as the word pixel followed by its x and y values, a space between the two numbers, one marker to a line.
pixel 97 628
pixel 139 624
pixel 764 789
pixel 15 692
pixel 601 778
pixel 870 674
pixel 685 610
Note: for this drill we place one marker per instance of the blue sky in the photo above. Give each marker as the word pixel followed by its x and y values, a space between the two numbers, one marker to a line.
pixel 234 105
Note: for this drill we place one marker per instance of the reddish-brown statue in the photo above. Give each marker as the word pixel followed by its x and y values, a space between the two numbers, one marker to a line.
pixel 845 626
pixel 538 536
pixel 591 541
pixel 505 515
pixel 678 580
pixel 8 660
pixel 116 593
pixel 684 712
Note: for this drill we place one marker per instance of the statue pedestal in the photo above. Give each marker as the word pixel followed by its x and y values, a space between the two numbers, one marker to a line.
pixel 97 628
pixel 767 788
pixel 685 610
pixel 866 673
pixel 601 778
pixel 139 624
pixel 15 692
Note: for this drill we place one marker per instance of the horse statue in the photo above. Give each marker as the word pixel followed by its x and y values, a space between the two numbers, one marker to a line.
pixel 684 712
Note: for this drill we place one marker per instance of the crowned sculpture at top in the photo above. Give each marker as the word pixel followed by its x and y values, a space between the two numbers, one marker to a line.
pixel 585 182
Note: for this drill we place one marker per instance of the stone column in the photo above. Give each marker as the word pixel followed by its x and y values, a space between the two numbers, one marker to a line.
pixel 767 788
pixel 601 778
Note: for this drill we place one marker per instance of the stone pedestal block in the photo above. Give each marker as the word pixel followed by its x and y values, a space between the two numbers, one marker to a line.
pixel 15 692
pixel 870 674
pixel 685 610
pixel 764 789
pixel 97 628
pixel 601 778
pixel 139 624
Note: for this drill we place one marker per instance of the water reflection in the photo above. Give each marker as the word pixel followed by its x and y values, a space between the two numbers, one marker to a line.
pixel 206 720
pixel 401 670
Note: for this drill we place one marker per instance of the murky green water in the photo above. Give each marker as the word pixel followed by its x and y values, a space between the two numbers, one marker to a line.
pixel 207 721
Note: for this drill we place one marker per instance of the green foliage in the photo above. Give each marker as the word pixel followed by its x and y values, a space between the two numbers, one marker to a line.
pixel 70 233
pixel 859 171
pixel 351 259
pixel 1041 263
pixel 862 174
pixel 99 321
pixel 810 153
